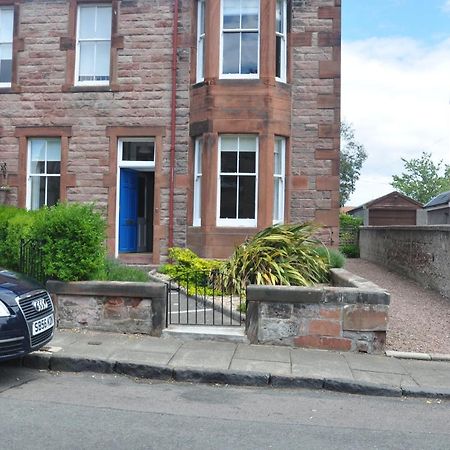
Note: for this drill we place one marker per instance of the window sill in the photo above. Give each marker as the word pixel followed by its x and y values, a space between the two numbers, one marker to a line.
pixel 239 77
pixel 108 88
pixel 10 90
pixel 236 225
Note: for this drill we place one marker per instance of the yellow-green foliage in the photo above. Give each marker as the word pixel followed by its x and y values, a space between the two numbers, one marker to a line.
pixel 190 270
pixel 15 224
pixel 277 255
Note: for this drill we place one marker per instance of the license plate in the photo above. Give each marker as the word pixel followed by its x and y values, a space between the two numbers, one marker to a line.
pixel 42 325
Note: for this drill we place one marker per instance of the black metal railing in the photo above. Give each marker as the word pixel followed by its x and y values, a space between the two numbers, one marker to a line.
pixel 203 299
pixel 31 261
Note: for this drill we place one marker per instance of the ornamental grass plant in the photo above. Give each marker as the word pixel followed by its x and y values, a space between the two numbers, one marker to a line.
pixel 278 255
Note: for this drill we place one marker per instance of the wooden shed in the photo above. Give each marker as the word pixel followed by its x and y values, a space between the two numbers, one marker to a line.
pixel 391 209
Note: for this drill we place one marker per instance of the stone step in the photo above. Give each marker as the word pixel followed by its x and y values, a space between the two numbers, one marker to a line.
pixel 207 332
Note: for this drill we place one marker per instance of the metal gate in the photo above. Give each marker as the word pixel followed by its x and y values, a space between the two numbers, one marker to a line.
pixel 203 301
pixel 31 259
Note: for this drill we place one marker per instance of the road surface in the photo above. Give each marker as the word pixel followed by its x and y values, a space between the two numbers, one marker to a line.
pixel 42 410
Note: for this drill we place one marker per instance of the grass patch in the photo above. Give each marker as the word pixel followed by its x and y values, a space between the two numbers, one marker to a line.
pixel 116 271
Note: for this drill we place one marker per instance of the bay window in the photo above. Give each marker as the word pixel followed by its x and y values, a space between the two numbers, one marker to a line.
pixel 279 179
pixel 238 157
pixel 200 40
pixel 198 150
pixel 240 39
pixel 281 39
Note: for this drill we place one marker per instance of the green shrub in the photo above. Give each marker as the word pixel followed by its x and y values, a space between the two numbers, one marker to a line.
pixel 350 250
pixel 72 237
pixel 115 271
pixel 191 271
pixel 277 255
pixel 334 258
pixel 346 220
pixel 15 224
pixel 349 234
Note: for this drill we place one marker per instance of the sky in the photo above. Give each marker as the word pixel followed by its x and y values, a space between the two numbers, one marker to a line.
pixel 395 85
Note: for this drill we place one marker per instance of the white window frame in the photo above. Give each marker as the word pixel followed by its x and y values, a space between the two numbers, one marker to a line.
pixel 236 222
pixel 197 200
pixel 147 166
pixel 8 8
pixel 250 76
pixel 200 75
pixel 77 82
pixel 45 174
pixel 280 145
pixel 283 35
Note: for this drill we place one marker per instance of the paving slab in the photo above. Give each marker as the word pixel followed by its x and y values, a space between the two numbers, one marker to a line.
pixel 437 375
pixel 155 345
pixel 374 363
pixel 138 357
pixel 394 379
pixel 209 346
pixel 273 367
pixel 84 350
pixel 324 364
pixel 201 358
pixel 263 353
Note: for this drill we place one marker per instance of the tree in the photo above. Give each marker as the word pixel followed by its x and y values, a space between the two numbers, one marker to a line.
pixel 352 158
pixel 422 179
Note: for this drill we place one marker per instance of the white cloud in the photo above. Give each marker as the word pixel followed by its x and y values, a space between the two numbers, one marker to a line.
pixel 446 6
pixel 396 92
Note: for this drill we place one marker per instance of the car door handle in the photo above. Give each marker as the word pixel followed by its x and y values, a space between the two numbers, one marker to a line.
pixel 129 222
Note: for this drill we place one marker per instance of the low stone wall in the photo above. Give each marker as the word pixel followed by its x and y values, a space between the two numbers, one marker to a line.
pixel 124 307
pixel 351 315
pixel 421 253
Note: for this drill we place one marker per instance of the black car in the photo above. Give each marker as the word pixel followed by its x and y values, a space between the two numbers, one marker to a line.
pixel 26 315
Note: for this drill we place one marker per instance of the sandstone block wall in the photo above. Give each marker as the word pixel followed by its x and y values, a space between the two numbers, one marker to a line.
pixel 315 143
pixel 120 307
pixel 418 252
pixel 352 316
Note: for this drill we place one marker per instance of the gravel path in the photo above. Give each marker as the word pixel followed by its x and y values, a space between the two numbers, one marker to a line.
pixel 419 319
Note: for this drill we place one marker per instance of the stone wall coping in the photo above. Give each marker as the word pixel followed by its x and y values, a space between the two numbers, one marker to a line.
pixel 432 228
pixel 350 289
pixel 108 288
pixel 344 278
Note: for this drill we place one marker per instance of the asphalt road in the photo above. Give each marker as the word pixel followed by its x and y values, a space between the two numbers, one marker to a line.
pixel 41 410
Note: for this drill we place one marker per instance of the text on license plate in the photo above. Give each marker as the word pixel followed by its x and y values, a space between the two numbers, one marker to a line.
pixel 42 324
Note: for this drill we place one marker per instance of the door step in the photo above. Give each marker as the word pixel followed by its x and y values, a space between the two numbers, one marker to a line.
pixel 205 332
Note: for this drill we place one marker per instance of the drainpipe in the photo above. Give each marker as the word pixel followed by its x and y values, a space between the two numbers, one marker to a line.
pixel 173 122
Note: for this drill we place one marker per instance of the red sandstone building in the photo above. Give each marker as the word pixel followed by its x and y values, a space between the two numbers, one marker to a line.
pixel 189 122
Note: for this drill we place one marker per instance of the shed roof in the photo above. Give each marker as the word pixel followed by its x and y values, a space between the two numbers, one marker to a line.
pixel 441 199
pixel 391 195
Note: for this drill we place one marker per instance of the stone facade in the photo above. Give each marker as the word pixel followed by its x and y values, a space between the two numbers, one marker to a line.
pixel 121 307
pixel 350 316
pixel 43 102
pixel 421 252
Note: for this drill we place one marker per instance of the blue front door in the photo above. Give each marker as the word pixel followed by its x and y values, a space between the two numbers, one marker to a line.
pixel 128 211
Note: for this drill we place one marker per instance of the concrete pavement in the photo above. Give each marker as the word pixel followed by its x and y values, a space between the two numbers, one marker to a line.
pixel 241 364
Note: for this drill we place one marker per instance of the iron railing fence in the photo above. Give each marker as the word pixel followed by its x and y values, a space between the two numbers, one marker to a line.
pixel 203 299
pixel 31 260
